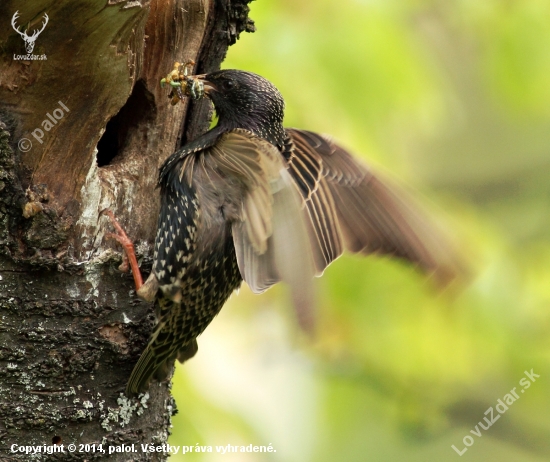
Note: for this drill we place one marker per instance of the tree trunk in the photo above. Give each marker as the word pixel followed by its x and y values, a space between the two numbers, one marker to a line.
pixel 71 325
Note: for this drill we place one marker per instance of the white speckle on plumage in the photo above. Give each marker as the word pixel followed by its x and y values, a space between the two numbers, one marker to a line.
pixel 197 259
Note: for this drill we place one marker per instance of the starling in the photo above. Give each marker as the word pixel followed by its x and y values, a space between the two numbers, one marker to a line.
pixel 251 200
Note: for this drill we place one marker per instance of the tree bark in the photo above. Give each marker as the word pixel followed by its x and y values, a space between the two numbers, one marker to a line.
pixel 71 326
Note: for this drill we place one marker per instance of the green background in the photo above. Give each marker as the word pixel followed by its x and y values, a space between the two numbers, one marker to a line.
pixel 452 98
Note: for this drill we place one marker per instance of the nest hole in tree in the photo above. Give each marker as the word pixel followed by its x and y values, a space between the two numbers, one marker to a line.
pixel 132 119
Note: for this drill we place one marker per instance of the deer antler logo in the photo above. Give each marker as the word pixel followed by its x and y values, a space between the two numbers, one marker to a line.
pixel 29 41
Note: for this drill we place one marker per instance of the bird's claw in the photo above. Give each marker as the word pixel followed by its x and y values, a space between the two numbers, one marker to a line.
pixel 124 266
pixel 129 256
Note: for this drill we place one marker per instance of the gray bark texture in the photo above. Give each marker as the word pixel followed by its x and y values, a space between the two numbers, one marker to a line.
pixel 71 325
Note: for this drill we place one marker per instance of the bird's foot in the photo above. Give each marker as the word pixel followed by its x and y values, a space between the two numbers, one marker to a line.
pixel 129 256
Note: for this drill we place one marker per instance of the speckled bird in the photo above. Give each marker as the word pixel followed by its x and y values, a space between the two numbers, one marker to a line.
pixel 251 200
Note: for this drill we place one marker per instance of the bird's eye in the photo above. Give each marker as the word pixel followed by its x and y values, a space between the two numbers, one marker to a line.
pixel 228 84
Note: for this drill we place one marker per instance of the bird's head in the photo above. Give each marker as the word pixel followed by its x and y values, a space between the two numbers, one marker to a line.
pixel 246 100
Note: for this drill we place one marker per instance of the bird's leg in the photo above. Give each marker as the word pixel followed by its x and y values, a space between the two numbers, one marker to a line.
pixel 129 253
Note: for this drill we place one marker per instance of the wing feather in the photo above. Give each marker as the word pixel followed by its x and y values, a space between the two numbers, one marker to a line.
pixel 353 207
pixel 305 166
pixel 271 233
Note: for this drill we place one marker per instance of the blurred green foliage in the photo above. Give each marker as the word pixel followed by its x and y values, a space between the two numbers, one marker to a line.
pixel 454 98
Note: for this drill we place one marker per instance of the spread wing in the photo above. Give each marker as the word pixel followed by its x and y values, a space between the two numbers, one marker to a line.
pixel 270 229
pixel 351 207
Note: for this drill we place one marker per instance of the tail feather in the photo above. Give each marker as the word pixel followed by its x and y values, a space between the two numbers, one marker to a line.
pixel 146 366
pixel 158 365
